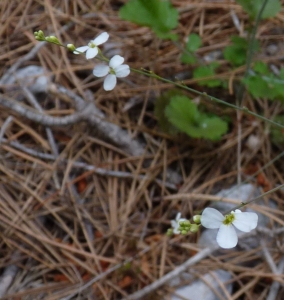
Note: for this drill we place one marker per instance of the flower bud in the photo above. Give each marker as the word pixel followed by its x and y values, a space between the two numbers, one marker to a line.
pixel 52 39
pixel 170 232
pixel 196 219
pixel 39 35
pixel 71 47
pixel 194 228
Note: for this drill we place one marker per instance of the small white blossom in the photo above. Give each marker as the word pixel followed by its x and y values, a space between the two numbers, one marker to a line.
pixel 175 223
pixel 92 48
pixel 114 70
pixel 227 236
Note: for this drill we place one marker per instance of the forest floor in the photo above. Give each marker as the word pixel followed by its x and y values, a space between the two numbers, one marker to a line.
pixel 85 205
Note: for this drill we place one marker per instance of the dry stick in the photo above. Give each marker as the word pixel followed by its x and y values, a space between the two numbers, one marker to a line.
pixel 32 100
pixel 111 131
pixel 115 133
pixel 276 285
pixel 88 112
pixel 10 271
pixel 33 53
pixel 7 277
pixel 109 271
pixel 42 119
pixel 177 271
pixel 29 56
pixel 193 260
pixel 4 127
pixel 85 166
pixel 277 271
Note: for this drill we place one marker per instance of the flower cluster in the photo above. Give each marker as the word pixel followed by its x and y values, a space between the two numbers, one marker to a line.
pixel 114 70
pixel 183 226
pixel 176 223
pixel 211 218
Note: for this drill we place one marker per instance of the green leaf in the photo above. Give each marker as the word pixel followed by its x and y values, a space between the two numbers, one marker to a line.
pixel 212 128
pixel 159 15
pixel 265 86
pixel 261 68
pixel 206 71
pixel 252 7
pixel 192 44
pixel 257 86
pixel 184 115
pixel 239 41
pixel 188 58
pixel 159 111
pixel 236 53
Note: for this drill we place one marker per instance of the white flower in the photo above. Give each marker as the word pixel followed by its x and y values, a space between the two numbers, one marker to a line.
pixel 227 236
pixel 175 223
pixel 92 48
pixel 115 69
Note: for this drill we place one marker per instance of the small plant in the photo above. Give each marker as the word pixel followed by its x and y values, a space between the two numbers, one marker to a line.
pixel 182 114
pixel 160 16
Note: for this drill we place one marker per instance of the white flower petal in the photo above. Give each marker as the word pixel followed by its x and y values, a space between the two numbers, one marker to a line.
pixel 110 82
pixel 102 38
pixel 92 52
pixel 227 237
pixel 81 49
pixel 211 218
pixel 174 223
pixel 178 216
pixel 116 61
pixel 175 226
pixel 245 221
pixel 101 70
pixel 122 71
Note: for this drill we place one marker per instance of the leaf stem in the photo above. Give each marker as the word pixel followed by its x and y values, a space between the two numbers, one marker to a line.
pixel 180 85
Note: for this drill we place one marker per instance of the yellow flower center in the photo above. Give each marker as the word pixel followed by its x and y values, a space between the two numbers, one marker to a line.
pixel 229 219
pixel 111 71
pixel 91 45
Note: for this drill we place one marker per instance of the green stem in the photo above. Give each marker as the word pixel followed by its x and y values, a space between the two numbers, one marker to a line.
pixel 252 37
pixel 243 109
pixel 256 198
pixel 203 94
pixel 241 89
